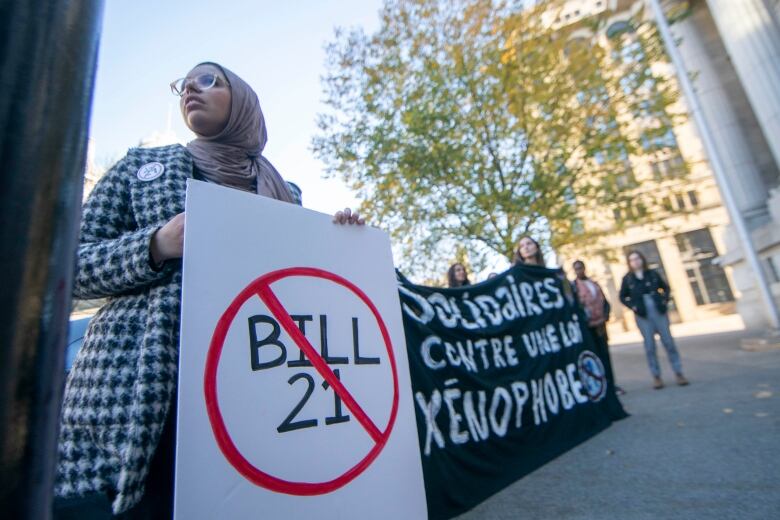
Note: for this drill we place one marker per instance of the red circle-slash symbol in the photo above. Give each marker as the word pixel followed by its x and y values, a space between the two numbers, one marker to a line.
pixel 261 288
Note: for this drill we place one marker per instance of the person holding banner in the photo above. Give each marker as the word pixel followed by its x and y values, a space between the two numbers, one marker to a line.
pixel 116 443
pixel 528 252
pixel 647 294
pixel 457 275
pixel 597 309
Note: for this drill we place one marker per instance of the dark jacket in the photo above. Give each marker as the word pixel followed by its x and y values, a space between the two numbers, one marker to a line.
pixel 632 289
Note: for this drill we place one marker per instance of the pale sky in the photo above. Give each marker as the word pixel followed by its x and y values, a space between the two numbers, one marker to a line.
pixel 277 47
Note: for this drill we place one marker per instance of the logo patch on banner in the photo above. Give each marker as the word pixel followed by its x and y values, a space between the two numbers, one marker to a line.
pixel 592 375
pixel 150 171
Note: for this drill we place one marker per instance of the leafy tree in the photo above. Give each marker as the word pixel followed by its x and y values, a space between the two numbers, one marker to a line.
pixel 470 123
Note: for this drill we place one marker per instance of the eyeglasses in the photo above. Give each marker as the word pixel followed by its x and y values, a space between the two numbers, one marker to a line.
pixel 201 82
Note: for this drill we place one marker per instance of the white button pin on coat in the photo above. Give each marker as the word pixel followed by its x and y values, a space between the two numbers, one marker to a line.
pixel 150 171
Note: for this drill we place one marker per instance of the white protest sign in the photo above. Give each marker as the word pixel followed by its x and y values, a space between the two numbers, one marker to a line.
pixel 294 391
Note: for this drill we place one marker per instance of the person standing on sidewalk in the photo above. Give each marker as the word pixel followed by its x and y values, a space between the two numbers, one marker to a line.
pixel 646 293
pixel 597 309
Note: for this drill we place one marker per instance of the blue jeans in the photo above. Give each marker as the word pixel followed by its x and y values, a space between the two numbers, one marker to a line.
pixel 657 323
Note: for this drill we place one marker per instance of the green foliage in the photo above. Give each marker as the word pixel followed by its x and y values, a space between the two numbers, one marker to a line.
pixel 473 122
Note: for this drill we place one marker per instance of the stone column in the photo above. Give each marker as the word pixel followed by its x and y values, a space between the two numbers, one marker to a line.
pixel 752 38
pixel 704 56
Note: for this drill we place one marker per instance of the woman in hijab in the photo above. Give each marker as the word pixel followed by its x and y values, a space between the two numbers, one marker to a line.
pixel 116 443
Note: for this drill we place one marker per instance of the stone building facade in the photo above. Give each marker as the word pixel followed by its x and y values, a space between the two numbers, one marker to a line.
pixel 732 47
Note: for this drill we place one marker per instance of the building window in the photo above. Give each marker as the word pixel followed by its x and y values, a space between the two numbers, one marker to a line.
pixel 669 168
pixel 666 203
pixel 693 198
pixel 650 251
pixel 680 201
pixel 774 274
pixel 618 28
pixel 707 279
pixel 660 142
pixel 657 174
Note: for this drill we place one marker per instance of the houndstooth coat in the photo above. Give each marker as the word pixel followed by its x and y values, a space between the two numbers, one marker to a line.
pixel 123 380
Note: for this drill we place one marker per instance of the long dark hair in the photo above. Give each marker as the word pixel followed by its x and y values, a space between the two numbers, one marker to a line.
pixel 452 281
pixel 518 258
pixel 640 255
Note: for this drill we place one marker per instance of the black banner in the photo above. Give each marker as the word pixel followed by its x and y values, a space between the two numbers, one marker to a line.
pixel 505 378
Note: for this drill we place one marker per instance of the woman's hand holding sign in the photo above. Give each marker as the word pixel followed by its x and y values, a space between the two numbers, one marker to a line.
pixel 168 242
pixel 348 217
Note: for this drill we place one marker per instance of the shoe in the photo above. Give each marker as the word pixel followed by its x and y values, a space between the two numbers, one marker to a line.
pixel 657 383
pixel 682 381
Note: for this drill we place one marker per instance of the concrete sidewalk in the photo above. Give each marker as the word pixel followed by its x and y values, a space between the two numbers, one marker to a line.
pixel 709 450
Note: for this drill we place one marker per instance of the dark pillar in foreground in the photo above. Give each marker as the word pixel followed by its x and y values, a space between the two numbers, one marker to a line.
pixel 48 51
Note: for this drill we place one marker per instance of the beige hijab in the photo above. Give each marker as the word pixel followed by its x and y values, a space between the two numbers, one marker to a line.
pixel 234 157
